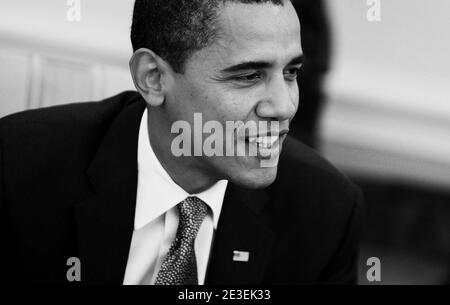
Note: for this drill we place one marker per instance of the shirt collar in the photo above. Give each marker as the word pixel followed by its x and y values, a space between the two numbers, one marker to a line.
pixel 158 193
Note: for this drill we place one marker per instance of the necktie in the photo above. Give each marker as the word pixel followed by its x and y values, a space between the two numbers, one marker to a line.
pixel 179 266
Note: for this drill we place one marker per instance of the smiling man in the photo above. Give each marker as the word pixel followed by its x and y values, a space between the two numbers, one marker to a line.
pixel 100 181
pixel 244 70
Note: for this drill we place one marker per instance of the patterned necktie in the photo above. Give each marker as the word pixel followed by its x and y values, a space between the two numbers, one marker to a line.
pixel 179 266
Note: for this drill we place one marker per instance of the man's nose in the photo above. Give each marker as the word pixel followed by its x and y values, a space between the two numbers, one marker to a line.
pixel 280 101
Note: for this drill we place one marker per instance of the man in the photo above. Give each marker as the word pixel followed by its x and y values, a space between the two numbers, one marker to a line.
pixel 100 182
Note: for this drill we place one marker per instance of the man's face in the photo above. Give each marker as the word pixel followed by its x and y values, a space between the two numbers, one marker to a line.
pixel 247 74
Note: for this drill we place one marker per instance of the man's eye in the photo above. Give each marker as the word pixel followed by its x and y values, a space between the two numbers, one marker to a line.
pixel 292 74
pixel 248 77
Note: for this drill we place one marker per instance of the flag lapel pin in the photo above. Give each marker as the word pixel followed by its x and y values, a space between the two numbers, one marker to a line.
pixel 241 256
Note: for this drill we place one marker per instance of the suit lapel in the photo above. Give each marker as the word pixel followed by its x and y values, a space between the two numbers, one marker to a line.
pixel 241 228
pixel 105 221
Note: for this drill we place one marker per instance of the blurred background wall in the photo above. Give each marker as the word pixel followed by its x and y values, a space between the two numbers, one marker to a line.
pixel 389 106
pixel 48 57
pixel 375 100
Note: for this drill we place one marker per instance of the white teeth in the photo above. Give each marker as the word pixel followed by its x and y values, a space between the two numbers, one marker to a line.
pixel 252 139
pixel 273 139
pixel 265 142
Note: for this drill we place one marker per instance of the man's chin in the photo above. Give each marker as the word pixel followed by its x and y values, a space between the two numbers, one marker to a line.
pixel 257 178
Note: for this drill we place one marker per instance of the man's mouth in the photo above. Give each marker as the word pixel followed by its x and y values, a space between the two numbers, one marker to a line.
pixel 265 142
pixel 267 145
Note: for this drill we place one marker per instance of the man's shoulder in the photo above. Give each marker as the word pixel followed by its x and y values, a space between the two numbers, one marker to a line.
pixel 300 162
pixel 63 120
pixel 307 177
pixel 317 212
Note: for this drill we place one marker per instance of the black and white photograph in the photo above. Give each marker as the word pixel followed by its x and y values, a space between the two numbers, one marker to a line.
pixel 225 147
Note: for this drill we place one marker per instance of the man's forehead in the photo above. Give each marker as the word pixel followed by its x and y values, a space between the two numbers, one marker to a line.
pixel 258 29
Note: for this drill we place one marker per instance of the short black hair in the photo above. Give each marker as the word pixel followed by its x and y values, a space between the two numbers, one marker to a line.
pixel 174 29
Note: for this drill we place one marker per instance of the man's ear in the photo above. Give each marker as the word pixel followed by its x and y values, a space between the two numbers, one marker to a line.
pixel 146 69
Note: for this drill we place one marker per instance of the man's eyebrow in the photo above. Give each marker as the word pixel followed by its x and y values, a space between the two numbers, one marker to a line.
pixel 248 65
pixel 297 60
pixel 256 65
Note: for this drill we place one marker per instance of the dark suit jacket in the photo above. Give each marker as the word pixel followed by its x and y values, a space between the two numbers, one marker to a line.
pixel 68 181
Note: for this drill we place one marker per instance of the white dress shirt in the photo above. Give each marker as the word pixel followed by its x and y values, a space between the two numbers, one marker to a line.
pixel 156 217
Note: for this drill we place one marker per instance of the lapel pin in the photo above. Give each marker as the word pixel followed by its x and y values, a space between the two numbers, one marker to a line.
pixel 241 256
